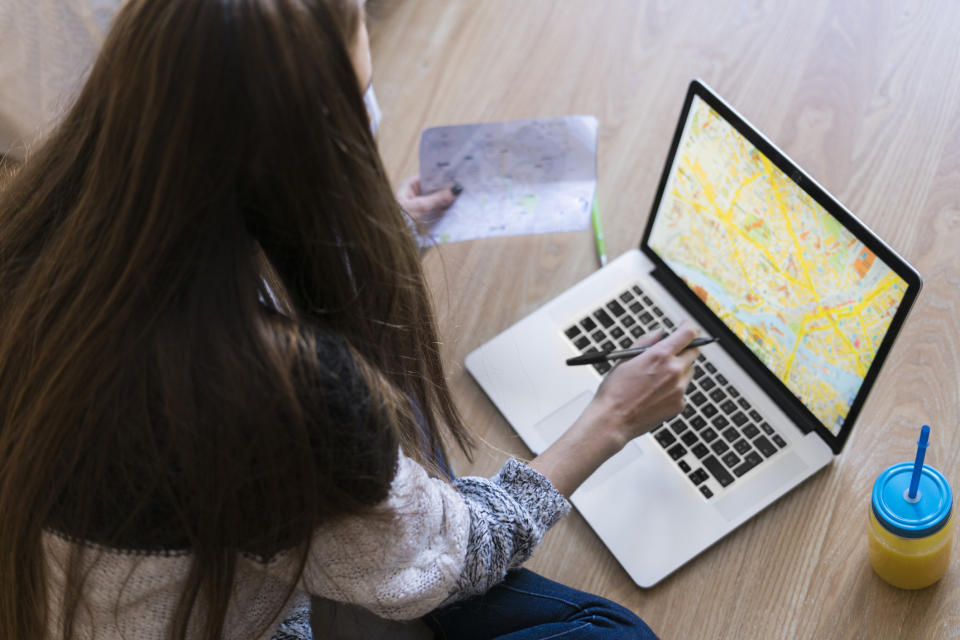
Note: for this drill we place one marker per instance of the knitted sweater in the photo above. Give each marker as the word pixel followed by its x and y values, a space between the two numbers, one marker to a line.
pixel 439 542
pixel 432 542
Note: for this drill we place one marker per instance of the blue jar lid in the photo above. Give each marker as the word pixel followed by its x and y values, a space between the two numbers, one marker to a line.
pixel 906 518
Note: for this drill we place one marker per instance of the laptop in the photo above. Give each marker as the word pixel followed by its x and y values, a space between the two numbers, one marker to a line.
pixel 805 302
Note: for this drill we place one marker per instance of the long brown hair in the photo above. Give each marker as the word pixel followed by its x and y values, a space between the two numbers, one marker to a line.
pixel 140 370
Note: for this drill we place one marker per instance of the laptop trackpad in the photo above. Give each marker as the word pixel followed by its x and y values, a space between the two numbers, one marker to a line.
pixel 554 425
pixel 780 472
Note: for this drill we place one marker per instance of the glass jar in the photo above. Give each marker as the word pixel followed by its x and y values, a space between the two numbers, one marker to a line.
pixel 910 539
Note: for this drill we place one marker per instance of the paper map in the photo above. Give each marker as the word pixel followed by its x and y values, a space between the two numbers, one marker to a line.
pixel 522 176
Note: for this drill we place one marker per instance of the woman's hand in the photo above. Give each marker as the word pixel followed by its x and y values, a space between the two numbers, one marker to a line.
pixel 642 392
pixel 637 395
pixel 425 208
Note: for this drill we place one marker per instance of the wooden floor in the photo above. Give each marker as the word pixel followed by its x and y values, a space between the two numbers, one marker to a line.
pixel 866 97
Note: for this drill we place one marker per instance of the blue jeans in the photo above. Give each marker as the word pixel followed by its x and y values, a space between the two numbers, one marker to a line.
pixel 527 606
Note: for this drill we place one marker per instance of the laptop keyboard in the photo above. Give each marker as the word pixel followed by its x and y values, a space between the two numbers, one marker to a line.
pixel 617 325
pixel 719 436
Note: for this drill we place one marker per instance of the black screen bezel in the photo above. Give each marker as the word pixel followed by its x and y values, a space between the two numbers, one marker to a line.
pixel 779 392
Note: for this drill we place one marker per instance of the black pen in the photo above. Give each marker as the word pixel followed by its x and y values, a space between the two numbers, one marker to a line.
pixel 593 357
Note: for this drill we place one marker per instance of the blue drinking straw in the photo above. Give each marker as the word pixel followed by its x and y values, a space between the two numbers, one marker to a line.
pixel 918 463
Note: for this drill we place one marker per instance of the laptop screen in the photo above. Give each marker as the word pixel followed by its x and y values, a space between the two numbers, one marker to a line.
pixel 809 299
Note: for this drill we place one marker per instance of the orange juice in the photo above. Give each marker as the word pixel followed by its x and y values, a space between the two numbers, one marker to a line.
pixel 909 538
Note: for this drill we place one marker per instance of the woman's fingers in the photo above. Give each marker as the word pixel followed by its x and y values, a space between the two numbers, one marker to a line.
pixel 680 339
pixel 650 388
pixel 423 207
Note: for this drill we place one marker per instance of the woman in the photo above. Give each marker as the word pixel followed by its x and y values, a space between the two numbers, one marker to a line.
pixel 186 452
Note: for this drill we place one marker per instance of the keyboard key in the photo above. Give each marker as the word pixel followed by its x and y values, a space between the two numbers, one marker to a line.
pixel 616 332
pixel 717 395
pixel 705 490
pixel 731 434
pixel 637 331
pixel 753 459
pixel 607 346
pixel 720 446
pixel 731 459
pixel 615 308
pixel 628 321
pixel 646 318
pixel 699 450
pixel 709 410
pixel 707 383
pixel 598 336
pixel 588 324
pixel 626 296
pixel 728 407
pixel 678 426
pixel 625 343
pixel 636 307
pixel 721 380
pixel 743 403
pixel 780 441
pixel 582 343
pixel 698 476
pixel 708 435
pixel 602 367
pixel 698 422
pixel 697 372
pixel 657 312
pixel 572 332
pixel 698 398
pixel 711 368
pixel 717 471
pixel 767 429
pixel 637 290
pixel 733 392
pixel 690 438
pixel 665 438
pixel 751 431
pixel 684 466
pixel 766 448
pixel 667 323
pixel 738 418
pixel 720 422
pixel 742 446
pixel 688 411
pixel 756 416
pixel 603 317
pixel 647 301
pixel 677 451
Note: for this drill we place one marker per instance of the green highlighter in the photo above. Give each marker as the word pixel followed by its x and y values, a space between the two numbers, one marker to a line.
pixel 598 233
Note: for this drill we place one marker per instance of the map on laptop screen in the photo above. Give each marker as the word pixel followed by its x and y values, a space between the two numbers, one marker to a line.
pixel 809 299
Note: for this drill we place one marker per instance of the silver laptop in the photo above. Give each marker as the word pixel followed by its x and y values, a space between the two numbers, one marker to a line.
pixel 804 300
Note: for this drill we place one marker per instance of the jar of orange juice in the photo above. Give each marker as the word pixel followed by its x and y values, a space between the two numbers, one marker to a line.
pixel 911 528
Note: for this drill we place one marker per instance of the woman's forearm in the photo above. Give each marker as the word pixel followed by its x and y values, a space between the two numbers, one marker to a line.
pixel 586 445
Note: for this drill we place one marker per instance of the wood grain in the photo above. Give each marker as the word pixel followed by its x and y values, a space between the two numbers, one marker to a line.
pixel 865 96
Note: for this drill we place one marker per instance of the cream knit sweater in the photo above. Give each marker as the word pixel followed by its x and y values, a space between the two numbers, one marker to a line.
pixel 439 542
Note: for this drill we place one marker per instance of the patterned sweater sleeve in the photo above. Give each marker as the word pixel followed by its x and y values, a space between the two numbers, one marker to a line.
pixel 433 542
pixel 509 515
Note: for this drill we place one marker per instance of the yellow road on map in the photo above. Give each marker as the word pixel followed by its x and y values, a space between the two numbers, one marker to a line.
pixel 808 298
